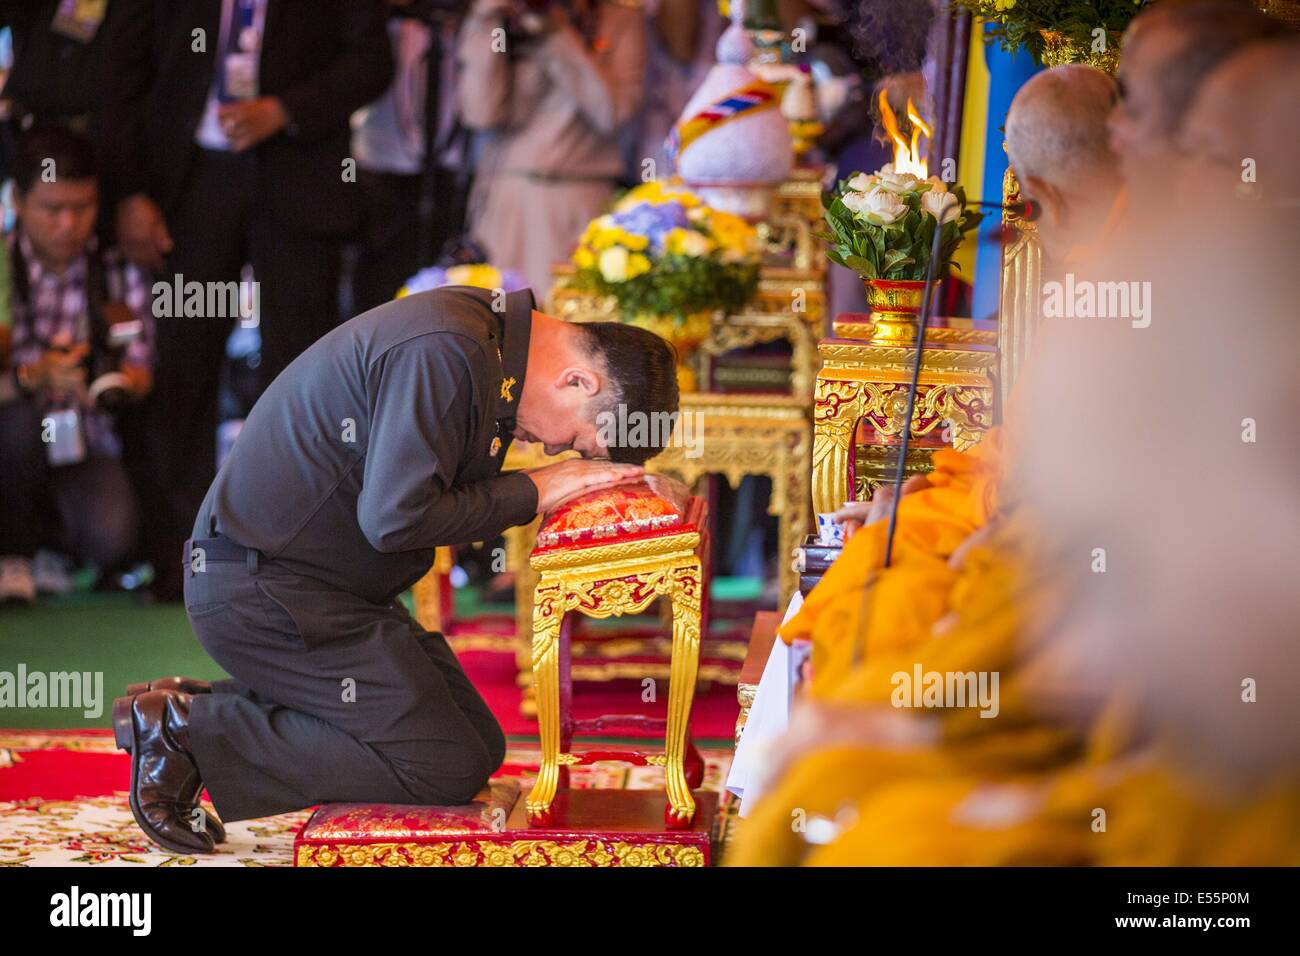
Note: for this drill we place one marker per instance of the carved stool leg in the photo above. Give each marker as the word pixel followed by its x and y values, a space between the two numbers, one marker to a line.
pixel 548 614
pixel 686 594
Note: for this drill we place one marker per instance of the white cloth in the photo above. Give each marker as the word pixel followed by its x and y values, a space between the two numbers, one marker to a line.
pixel 769 716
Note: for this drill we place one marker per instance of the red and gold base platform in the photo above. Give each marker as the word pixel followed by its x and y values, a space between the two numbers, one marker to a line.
pixel 588 828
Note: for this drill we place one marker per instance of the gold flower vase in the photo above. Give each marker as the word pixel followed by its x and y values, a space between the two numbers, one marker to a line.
pixel 683 334
pixel 895 306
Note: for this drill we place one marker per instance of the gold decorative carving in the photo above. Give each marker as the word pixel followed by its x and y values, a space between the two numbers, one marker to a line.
pixel 1020 305
pixel 860 381
pixel 501 853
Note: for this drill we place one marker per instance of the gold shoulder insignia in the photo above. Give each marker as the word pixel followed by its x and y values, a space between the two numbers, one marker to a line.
pixel 506 385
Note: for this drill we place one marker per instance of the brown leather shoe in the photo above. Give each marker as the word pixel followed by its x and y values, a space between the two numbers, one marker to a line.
pixel 186 685
pixel 165 783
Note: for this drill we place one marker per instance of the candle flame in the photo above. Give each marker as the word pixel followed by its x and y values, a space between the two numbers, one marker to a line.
pixel 907 156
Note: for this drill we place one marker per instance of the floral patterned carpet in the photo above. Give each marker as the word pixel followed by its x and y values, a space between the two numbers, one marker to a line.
pixel 63 803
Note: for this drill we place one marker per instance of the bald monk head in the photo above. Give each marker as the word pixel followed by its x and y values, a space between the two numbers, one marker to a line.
pixel 1168 51
pixel 1056 140
pixel 1243 127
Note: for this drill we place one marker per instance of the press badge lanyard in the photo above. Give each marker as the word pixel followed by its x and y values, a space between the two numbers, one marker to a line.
pixel 239 54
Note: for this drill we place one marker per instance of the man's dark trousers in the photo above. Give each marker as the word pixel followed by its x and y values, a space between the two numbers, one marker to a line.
pixel 334 698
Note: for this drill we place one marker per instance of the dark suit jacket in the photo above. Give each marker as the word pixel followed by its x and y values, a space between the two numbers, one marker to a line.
pixel 322 58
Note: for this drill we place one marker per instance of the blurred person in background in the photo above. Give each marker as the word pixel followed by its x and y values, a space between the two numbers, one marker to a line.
pixel 680 39
pixel 81 349
pixel 1168 51
pixel 58 49
pixel 552 84
pixel 1236 133
pixel 389 142
pixel 225 137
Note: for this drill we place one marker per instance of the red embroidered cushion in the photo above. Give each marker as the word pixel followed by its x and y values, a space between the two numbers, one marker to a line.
pixel 632 509
pixel 390 821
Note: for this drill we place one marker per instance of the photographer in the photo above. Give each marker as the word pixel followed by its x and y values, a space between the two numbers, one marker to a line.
pixel 553 83
pixel 81 348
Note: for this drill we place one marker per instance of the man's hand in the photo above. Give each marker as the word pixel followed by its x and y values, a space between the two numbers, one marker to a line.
pixel 566 479
pixel 248 122
pixel 59 370
pixel 855 514
pixel 142 232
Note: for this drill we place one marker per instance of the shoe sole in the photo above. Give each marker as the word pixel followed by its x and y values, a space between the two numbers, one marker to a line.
pixel 125 736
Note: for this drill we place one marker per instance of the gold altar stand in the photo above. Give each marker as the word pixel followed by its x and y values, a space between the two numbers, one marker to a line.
pixel 604 828
pixel 861 400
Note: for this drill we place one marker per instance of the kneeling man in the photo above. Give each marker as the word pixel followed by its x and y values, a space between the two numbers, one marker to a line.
pixel 379 443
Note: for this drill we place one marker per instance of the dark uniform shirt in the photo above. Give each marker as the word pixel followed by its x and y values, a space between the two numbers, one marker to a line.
pixel 382 441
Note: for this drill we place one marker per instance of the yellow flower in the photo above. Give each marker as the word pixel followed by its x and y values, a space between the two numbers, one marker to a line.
pixel 479 275
pixel 687 242
pixel 731 232
pixel 583 257
pixel 637 264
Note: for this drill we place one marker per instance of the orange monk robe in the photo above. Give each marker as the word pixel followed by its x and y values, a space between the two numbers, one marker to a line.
pixel 859 608
pixel 990 598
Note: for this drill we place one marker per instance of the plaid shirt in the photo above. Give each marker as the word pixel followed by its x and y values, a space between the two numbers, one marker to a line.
pixel 56 308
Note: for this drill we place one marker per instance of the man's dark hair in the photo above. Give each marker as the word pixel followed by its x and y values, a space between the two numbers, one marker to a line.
pixel 642 369
pixel 72 155
pixel 1212 31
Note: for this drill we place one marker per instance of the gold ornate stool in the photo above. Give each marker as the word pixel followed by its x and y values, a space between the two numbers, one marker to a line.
pixel 607 554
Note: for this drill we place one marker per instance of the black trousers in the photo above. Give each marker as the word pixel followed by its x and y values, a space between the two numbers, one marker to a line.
pixel 334 698
pixel 217 228
pixel 88 510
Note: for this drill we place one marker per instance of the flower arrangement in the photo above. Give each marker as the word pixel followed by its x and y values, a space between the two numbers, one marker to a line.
pixel 1070 24
pixel 662 252
pixel 480 275
pixel 882 226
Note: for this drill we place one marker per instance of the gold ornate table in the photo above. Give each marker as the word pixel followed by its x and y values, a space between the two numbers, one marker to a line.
pixel 861 400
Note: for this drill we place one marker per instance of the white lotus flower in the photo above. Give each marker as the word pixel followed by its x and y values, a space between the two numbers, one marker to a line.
pixel 879 207
pixel 942 205
pixel 861 182
pixel 896 182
